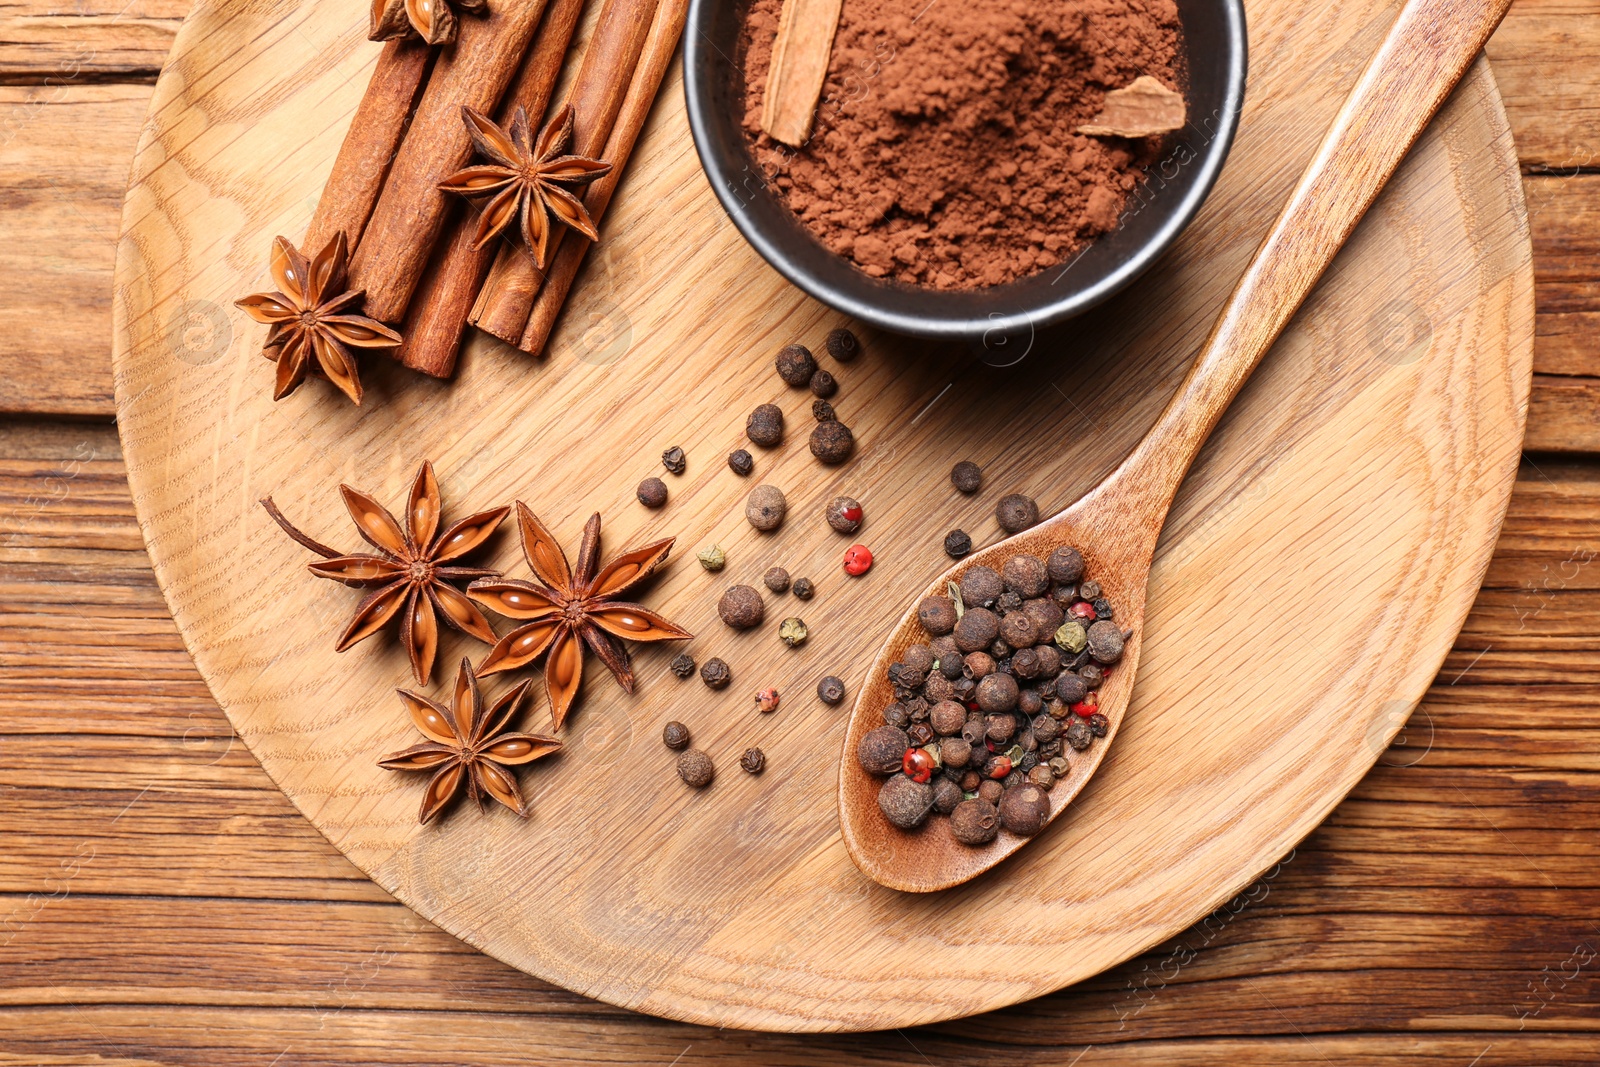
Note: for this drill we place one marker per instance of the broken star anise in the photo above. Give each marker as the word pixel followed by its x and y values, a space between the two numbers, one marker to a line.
pixel 526 179
pixel 411 575
pixel 568 608
pixel 466 749
pixel 432 20
pixel 312 320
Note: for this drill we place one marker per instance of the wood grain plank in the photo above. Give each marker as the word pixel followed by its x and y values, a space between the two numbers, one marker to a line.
pixel 1469 850
pixel 48 43
pixel 1546 58
pixel 64 154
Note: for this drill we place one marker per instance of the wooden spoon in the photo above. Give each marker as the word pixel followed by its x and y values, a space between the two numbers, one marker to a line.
pixel 1116 525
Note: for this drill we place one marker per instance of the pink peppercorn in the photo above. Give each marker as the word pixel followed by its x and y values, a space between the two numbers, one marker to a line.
pixel 857 560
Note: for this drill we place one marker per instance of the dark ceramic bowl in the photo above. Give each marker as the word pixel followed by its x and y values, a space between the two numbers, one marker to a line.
pixel 1157 212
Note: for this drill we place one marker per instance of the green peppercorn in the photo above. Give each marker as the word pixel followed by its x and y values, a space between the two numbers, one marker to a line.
pixel 792 631
pixel 1072 637
pixel 713 558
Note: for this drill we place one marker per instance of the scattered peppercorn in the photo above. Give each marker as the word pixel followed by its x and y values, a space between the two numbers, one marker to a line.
pixel 1016 513
pixel 804 589
pixel 695 768
pixel 844 514
pixel 776 579
pixel 716 674
pixel 823 384
pixel 682 665
pixel 857 560
pixel 792 632
pixel 764 427
pixel 957 544
pixel 830 690
pixel 842 345
pixel 823 411
pixel 1024 810
pixel 796 364
pixel 741 607
pixel 675 735
pixel 674 460
pixel 1089 590
pixel 765 507
pixel 754 761
pixel 652 492
pixel 831 442
pixel 1079 735
pixel 712 558
pixel 767 700
pixel 966 476
pixel 740 463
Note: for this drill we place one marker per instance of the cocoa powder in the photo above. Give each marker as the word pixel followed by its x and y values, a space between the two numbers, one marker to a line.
pixel 945 152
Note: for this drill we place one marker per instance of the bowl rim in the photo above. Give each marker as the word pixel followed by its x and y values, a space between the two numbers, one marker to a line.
pixel 955 326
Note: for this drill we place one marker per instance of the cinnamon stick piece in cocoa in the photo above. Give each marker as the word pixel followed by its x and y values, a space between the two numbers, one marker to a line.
pixel 411 211
pixel 658 50
pixel 370 144
pixel 603 81
pixel 437 315
pixel 799 66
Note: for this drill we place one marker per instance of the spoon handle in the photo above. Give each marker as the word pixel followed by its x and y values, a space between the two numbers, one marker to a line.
pixel 1424 55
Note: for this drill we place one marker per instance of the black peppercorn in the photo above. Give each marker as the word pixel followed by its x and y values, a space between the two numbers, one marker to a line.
pixel 796 364
pixel 803 589
pixel 974 822
pixel 1070 688
pixel 740 463
pixel 1007 602
pixel 937 614
pixel 966 476
pixel 765 426
pixel 776 579
pixel 1103 608
pixel 904 802
pixel 1029 702
pixel 957 544
pixel 1001 653
pixel 1024 810
pixel 1078 734
pixel 1065 566
pixel 832 442
pixel 716 674
pixel 830 690
pixel 1099 724
pixel 1092 674
pixel 1045 729
pixel 946 795
pixel 842 345
pixel 1041 776
pixel 897 715
pixel 652 492
pixel 1025 663
pixel 981 586
pixel 695 768
pixel 920 733
pixel 741 607
pixel 682 665
pixel 754 761
pixel 881 750
pixel 675 735
pixel 1016 513
pixel 823 411
pixel 1089 590
pixel 823 385
pixel 674 460
pixel 977 629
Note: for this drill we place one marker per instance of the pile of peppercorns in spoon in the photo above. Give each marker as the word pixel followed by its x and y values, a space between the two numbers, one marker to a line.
pixel 1000 701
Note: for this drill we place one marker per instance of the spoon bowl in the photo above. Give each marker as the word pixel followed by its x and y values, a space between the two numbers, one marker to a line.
pixel 1117 524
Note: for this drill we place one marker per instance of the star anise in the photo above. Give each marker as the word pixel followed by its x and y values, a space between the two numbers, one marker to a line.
pixel 411 575
pixel 571 607
pixel 432 20
pixel 466 749
pixel 310 327
pixel 526 179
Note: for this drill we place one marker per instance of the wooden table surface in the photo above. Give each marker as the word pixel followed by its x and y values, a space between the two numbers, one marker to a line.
pixel 162 903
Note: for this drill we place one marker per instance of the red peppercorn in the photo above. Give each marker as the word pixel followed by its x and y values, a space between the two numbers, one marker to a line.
pixel 917 764
pixel 852 513
pixel 1087 706
pixel 999 767
pixel 767 700
pixel 1081 609
pixel 858 561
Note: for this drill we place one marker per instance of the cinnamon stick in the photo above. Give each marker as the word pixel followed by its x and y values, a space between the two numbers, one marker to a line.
pixel 370 144
pixel 411 210
pixel 799 67
pixel 437 315
pixel 658 51
pixel 603 81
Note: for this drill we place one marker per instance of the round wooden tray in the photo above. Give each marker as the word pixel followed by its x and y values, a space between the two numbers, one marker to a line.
pixel 1321 557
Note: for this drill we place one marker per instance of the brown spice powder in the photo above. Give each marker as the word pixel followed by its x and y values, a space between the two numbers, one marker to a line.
pixel 945 151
